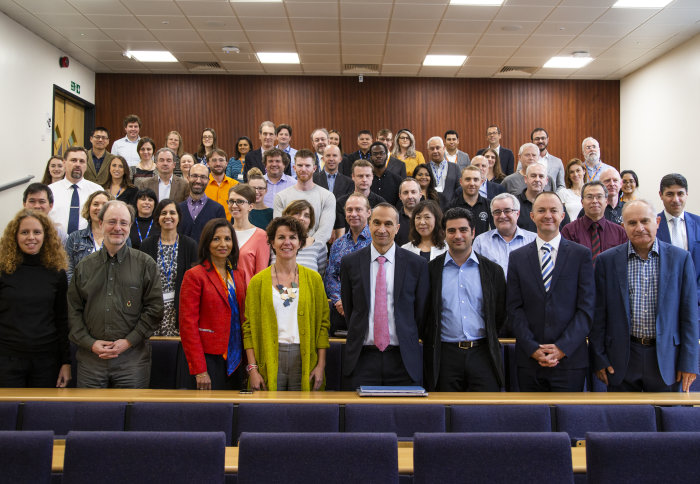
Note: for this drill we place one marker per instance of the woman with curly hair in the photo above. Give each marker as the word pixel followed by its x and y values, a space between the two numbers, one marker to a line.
pixel 405 150
pixel 34 350
pixel 426 236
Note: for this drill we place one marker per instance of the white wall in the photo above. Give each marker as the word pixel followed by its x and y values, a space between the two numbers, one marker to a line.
pixel 29 67
pixel 660 122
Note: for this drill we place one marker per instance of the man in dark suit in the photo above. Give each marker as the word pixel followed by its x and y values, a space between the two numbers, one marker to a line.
pixel 493 135
pixel 446 174
pixel 550 303
pixel 165 184
pixel 384 289
pixel 198 209
pixel 640 342
pixel 254 158
pixel 99 158
pixel 329 178
pixel 466 311
pixel 488 189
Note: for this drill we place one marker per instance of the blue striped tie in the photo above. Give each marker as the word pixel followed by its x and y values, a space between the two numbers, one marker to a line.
pixel 547 266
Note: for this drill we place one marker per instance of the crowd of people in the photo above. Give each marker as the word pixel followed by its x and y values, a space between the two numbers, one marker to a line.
pixel 255 260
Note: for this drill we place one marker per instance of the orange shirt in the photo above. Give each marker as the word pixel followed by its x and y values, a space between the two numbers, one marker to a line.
pixel 219 192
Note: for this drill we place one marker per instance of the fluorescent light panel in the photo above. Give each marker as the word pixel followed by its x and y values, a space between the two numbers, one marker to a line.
pixel 444 60
pixel 567 62
pixel 641 3
pixel 278 57
pixel 490 3
pixel 151 55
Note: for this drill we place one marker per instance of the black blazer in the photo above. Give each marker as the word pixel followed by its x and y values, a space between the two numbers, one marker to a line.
pixel 186 258
pixel 506 157
pixel 451 186
pixel 193 228
pixel 493 287
pixel 343 184
pixel 411 290
pixel 396 166
pixel 254 159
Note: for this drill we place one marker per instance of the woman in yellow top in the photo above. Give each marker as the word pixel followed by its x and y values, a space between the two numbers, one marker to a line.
pixel 285 332
pixel 405 150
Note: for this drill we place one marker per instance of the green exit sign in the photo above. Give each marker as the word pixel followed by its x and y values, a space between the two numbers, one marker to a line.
pixel 75 87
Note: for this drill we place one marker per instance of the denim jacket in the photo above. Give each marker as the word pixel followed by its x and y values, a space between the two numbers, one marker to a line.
pixel 79 245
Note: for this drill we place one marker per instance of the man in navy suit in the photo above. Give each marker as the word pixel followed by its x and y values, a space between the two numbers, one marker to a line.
pixel 446 174
pixel 198 209
pixel 640 342
pixel 384 290
pixel 678 227
pixel 329 178
pixel 550 304
pixel 493 135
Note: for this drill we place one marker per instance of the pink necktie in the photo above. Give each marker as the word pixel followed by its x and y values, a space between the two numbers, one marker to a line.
pixel 381 318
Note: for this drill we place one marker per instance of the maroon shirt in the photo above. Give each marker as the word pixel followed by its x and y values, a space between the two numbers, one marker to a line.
pixel 579 231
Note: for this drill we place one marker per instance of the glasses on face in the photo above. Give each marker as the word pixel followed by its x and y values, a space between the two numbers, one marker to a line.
pixel 506 211
pixel 404 138
pixel 590 197
pixel 199 177
pixel 207 136
pixel 240 202
pixel 259 189
pixel 100 138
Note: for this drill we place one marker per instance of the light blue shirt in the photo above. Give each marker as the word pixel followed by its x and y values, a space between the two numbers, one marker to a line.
pixel 389 266
pixel 482 189
pixel 291 152
pixel 274 188
pixel 462 300
pixel 492 246
pixel 331 180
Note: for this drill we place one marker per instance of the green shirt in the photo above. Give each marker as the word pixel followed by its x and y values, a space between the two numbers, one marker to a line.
pixel 111 298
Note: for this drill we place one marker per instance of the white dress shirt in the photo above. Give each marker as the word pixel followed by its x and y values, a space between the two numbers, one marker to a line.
pixel 126 148
pixel 555 248
pixel 62 194
pixel 679 235
pixel 163 189
pixel 389 272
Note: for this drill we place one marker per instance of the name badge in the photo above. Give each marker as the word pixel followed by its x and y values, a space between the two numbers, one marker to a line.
pixel 168 296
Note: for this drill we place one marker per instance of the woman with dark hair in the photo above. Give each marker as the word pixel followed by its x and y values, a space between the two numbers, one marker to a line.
pixel 84 242
pixel 145 168
pixel 314 254
pixel 142 228
pixel 495 173
pixel 34 350
pixel 55 170
pixel 426 236
pixel 335 139
pixel 405 150
pixel 630 183
pixel 253 251
pixel 425 178
pixel 212 301
pixel 207 145
pixel 235 164
pixel 174 254
pixel 570 195
pixel 261 214
pixel 119 181
pixel 285 331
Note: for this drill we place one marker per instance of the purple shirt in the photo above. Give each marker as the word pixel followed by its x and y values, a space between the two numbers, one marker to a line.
pixel 274 188
pixel 579 231
pixel 195 206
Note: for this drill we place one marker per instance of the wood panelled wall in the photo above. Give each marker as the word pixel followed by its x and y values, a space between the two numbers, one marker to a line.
pixel 235 105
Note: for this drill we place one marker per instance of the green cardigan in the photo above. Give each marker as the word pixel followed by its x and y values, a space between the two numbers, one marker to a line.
pixel 260 324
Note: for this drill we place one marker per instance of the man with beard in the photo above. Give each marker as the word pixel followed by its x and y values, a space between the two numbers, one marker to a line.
pixel 198 209
pixel 591 155
pixel 219 183
pixel 409 193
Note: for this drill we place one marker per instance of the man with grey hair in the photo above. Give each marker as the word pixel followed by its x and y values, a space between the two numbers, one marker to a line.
pixel 446 174
pixel 115 303
pixel 591 158
pixel 165 184
pixel 612 181
pixel 319 141
pixel 497 244
pixel 514 183
pixel 254 158
pixel 534 185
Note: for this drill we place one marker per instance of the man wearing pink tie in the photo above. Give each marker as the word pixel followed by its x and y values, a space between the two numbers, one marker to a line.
pixel 384 289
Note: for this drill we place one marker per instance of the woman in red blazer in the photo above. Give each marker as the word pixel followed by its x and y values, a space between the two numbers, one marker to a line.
pixel 211 309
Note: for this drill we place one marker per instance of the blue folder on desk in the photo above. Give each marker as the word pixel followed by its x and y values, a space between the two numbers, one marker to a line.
pixel 391 391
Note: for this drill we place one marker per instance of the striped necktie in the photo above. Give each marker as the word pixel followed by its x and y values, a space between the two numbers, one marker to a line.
pixel 595 240
pixel 547 266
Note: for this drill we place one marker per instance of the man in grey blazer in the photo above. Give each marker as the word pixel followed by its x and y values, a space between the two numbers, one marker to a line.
pixel 452 153
pixel 99 158
pixel 165 184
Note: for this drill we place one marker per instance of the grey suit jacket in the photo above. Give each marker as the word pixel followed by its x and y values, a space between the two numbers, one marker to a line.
pixel 178 192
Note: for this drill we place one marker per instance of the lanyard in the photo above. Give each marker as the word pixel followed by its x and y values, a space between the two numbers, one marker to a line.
pixel 162 258
pixel 595 173
pixel 138 230
pixel 440 173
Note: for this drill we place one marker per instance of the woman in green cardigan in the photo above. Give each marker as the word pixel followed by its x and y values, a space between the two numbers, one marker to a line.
pixel 285 332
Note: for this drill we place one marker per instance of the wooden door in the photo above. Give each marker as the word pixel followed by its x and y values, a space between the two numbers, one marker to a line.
pixel 68 124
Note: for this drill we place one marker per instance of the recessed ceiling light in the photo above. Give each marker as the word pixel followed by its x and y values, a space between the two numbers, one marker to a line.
pixel 150 55
pixel 567 62
pixel 641 3
pixel 482 3
pixel 444 60
pixel 278 57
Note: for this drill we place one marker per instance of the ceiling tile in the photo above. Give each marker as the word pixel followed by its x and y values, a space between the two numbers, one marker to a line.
pixel 462 27
pixel 405 54
pixel 206 9
pixel 320 59
pixel 216 23
pixel 116 21
pixel 506 28
pixel 124 35
pixel 314 25
pixel 420 12
pixel 493 51
pixel 186 47
pixel 362 37
pixel 483 61
pixel 196 57
pixel 313 10
pixel 458 39
pixel 44 7
pixel 165 22
pixel 464 12
pixel 634 16
pixel 151 7
pixel 176 35
pixel 225 36
pixel 476 71
pixel 502 40
pixel 82 33
pixel 418 26
pixel 576 14
pixel 438 71
pixel 679 16
pixel 98 46
pixel 363 49
pixel 270 36
pixel 409 38
pixel 548 40
pixel 268 10
pixel 282 68
pixel 98 7
pixel 561 28
pixel 273 47
pixel 361 59
pixel 319 48
pixel 609 30
pixel 364 25
pixel 400 69
pixel 140 45
pixel 316 37
pixel 65 20
pixel 519 14
pixel 370 10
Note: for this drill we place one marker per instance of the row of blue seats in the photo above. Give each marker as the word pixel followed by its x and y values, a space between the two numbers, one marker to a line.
pixel 400 419
pixel 135 457
pixel 165 362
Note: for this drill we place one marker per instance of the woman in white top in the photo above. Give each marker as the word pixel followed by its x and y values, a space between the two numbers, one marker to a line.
pixel 427 238
pixel 314 254
pixel 571 195
pixel 253 250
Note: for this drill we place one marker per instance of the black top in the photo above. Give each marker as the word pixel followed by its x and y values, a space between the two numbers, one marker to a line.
pixel 402 236
pixel 340 221
pixel 525 222
pixel 483 221
pixel 34 311
pixel 141 229
pixel 387 186
pixel 128 195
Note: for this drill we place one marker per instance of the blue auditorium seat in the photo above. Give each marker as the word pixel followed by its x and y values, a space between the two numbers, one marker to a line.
pixel 576 420
pixel 8 415
pixel 144 457
pixel 642 457
pixel 62 417
pixel 25 457
pixel 334 370
pixel 182 417
pixel 317 457
pixel 493 458
pixel 286 417
pixel 403 420
pixel 680 419
pixel 163 364
pixel 500 418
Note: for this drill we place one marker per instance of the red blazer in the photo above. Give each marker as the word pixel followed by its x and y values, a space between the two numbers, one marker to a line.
pixel 205 315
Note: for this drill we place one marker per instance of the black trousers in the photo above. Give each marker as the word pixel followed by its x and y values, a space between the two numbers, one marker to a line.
pixel 642 374
pixel 466 370
pixel 382 368
pixel 40 371
pixel 555 379
pixel 216 367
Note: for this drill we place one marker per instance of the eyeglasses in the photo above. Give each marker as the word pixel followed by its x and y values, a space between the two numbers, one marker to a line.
pixel 259 189
pixel 404 138
pixel 207 136
pixel 238 202
pixel 590 197
pixel 199 177
pixel 505 211
pixel 100 138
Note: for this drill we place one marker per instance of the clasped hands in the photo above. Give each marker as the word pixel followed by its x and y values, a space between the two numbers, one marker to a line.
pixel 548 355
pixel 110 349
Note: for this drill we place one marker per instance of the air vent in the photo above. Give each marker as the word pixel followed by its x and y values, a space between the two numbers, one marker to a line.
pixel 518 70
pixel 361 68
pixel 203 66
